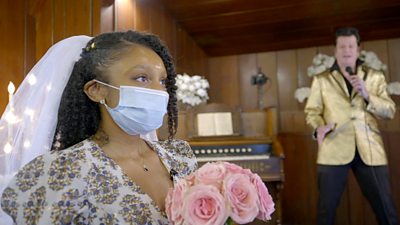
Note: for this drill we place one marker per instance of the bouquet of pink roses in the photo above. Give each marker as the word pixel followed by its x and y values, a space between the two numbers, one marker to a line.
pixel 218 193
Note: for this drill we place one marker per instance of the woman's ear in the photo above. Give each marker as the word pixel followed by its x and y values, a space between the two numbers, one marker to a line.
pixel 94 91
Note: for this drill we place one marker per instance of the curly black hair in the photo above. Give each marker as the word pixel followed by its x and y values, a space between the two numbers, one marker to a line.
pixel 78 116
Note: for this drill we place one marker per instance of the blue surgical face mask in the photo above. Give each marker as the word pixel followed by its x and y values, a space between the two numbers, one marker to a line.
pixel 140 110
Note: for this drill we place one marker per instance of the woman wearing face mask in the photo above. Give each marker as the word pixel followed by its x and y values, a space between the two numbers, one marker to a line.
pixel 101 169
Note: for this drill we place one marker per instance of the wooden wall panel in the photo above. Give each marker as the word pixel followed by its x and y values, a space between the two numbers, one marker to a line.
pixel 125 15
pixel 142 15
pixel 287 83
pixel 392 143
pixel 299 195
pixel 58 19
pixel 95 20
pixel 107 21
pixel 152 17
pixel 394 59
pixel 224 81
pixel 44 28
pixel 287 79
pixel 12 45
pixel 304 58
pixel 31 27
pixel 380 49
pixel 78 17
pixel 58 24
pixel 267 62
pixel 248 68
pixel 327 50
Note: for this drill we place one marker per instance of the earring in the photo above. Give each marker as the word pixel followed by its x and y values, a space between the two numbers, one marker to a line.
pixel 102 101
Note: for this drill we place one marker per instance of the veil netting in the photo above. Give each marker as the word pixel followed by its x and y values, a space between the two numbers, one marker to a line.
pixel 28 123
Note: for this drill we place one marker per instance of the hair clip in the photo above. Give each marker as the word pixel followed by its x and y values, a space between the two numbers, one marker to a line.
pixel 91 47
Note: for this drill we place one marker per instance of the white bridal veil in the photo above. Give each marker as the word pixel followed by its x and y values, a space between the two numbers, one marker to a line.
pixel 28 124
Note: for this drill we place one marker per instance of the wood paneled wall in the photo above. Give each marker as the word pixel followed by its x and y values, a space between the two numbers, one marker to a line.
pixel 32 26
pixel 230 84
pixel 151 16
pixel 12 45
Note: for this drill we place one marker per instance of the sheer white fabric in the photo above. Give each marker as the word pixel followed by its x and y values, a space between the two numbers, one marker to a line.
pixel 27 125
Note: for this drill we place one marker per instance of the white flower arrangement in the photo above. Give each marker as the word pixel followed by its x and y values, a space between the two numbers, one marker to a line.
pixel 370 59
pixel 394 88
pixel 322 62
pixel 302 93
pixel 192 90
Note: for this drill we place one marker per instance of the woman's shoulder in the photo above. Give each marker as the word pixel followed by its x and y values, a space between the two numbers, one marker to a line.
pixel 52 166
pixel 49 178
pixel 74 154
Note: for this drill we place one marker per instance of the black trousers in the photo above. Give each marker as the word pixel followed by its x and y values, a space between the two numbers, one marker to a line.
pixel 373 181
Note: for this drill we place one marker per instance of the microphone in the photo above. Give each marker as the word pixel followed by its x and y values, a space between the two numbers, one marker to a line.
pixel 349 70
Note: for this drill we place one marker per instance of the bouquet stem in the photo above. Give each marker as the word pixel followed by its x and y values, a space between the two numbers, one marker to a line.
pixel 229 221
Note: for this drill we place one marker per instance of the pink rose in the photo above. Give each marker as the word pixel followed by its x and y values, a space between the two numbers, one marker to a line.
pixel 204 205
pixel 242 196
pixel 211 173
pixel 233 168
pixel 174 202
pixel 266 203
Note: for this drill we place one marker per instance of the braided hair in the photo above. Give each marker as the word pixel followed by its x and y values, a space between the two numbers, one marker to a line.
pixel 78 116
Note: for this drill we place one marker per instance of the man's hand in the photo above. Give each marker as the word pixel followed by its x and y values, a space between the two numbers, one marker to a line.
pixel 322 131
pixel 359 85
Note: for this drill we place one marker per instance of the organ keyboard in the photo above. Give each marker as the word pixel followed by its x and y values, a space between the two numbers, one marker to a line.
pixel 251 153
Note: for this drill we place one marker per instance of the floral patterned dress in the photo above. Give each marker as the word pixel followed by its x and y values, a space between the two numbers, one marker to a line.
pixel 82 185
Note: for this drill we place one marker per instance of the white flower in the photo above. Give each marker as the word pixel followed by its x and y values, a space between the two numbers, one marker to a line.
pixel 317 59
pixel 183 86
pixel 196 78
pixel 393 88
pixel 192 90
pixel 302 93
pixel 328 62
pixel 320 69
pixel 204 84
pixel 320 63
pixel 201 92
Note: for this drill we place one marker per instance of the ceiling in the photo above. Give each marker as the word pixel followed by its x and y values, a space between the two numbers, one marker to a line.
pixel 226 27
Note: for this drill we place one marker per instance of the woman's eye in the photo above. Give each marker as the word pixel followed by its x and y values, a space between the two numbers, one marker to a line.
pixel 142 79
pixel 163 82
